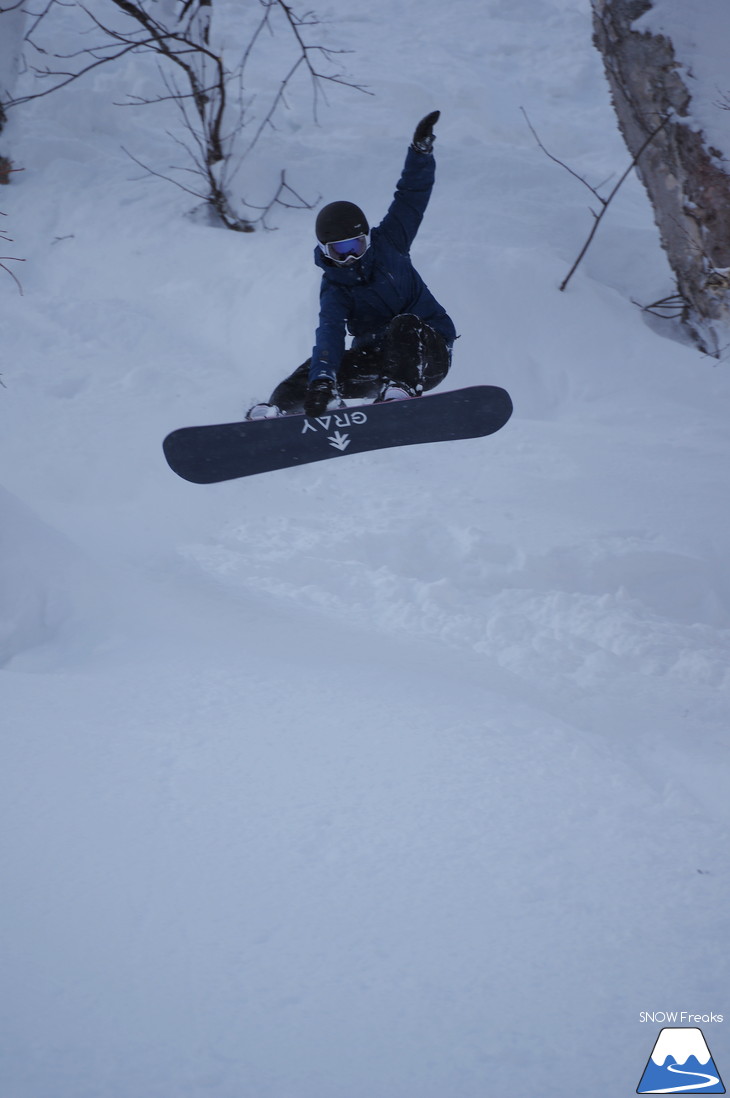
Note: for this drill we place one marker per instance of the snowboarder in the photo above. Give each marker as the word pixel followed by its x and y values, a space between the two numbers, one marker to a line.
pixel 402 337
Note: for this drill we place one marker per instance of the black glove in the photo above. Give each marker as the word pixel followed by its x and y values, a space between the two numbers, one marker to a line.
pixel 423 138
pixel 319 393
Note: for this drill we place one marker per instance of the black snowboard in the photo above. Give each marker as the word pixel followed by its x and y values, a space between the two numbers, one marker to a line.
pixel 224 451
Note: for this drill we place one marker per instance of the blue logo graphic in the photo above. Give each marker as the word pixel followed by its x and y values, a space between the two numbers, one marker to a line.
pixel 680 1063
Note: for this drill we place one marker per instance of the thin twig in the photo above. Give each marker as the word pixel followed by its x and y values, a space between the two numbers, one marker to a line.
pixel 13 259
pixel 607 202
pixel 562 163
pixel 277 200
pixel 160 175
pixel 10 258
pixel 673 306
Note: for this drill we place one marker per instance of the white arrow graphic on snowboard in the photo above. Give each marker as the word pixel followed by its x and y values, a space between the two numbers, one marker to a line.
pixel 339 441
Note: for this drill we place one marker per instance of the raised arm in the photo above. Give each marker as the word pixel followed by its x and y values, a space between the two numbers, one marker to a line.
pixel 413 191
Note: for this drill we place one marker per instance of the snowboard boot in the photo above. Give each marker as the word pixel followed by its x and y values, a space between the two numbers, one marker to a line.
pixel 263 411
pixel 395 390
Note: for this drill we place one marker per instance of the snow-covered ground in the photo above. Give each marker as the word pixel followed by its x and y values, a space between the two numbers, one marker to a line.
pixel 398 776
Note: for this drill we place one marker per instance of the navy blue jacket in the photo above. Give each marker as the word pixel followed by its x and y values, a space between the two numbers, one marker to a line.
pixel 365 296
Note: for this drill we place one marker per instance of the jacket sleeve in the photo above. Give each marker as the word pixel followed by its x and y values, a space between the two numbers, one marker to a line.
pixel 404 217
pixel 329 345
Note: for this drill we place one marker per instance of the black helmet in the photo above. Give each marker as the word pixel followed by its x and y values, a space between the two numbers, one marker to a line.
pixel 340 221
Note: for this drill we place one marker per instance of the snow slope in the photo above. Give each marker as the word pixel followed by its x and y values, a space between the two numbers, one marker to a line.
pixel 403 775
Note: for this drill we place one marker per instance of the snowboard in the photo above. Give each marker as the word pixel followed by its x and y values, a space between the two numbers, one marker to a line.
pixel 225 451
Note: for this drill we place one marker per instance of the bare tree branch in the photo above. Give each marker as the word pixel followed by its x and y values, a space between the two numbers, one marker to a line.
pixel 562 163
pixel 211 96
pixel 605 202
pixel 277 200
pixel 10 258
pixel 70 77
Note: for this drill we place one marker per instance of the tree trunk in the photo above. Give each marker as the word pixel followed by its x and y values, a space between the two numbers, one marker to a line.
pixel 686 179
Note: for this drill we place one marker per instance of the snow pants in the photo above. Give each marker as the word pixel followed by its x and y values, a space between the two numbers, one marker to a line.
pixel 408 352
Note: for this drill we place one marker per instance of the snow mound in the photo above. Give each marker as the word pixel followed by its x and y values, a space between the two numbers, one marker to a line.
pixel 49 592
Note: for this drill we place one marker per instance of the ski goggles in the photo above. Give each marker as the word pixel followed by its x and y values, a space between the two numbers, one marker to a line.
pixel 339 251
